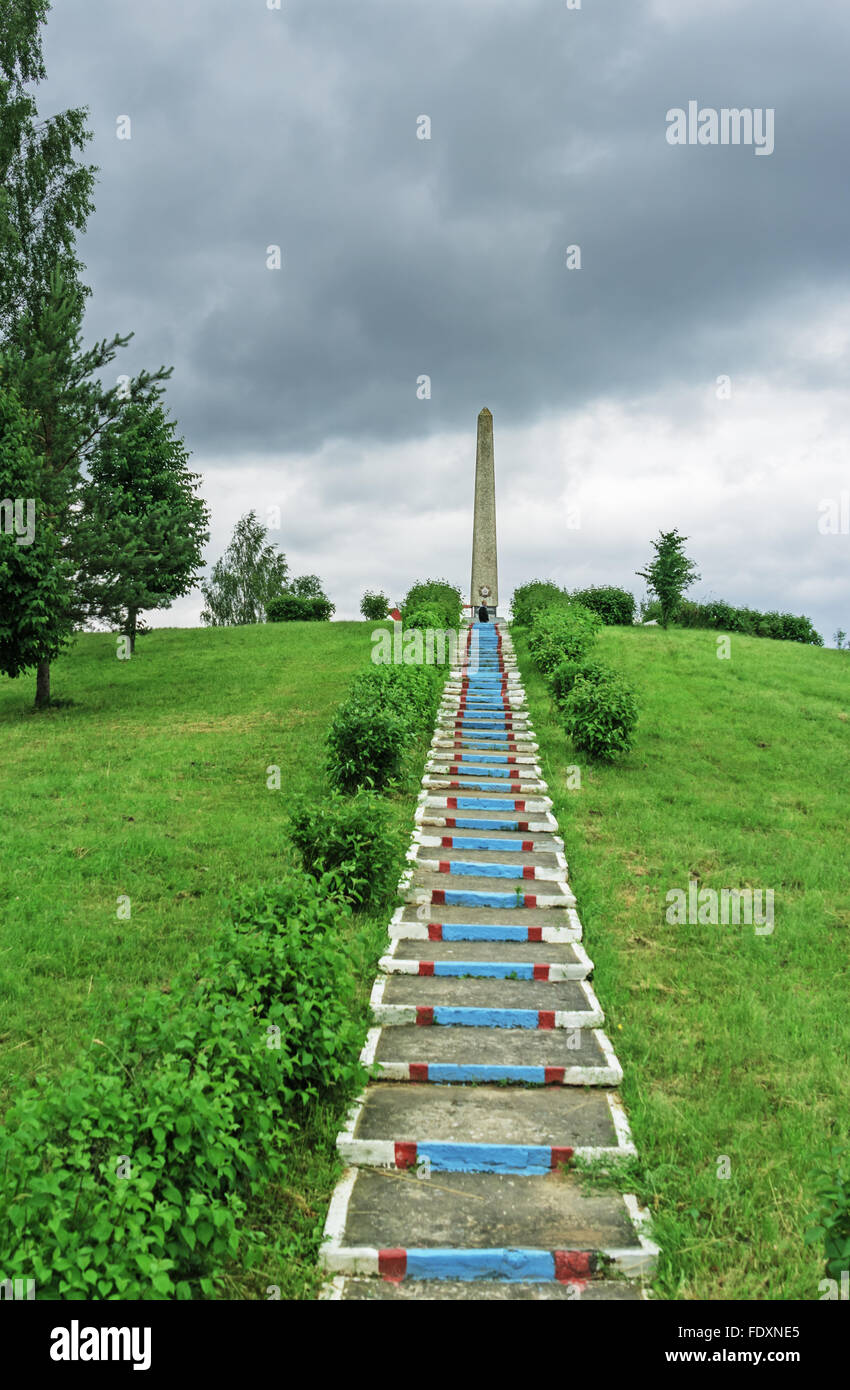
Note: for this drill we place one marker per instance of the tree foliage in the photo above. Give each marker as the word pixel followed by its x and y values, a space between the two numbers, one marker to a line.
pixel 247 577
pixel 670 573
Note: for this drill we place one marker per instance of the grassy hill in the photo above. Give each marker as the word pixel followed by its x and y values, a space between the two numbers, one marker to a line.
pixel 152 784
pixel 733 1044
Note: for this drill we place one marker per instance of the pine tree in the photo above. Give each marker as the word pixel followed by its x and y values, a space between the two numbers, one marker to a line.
pixel 139 537
pixel 45 202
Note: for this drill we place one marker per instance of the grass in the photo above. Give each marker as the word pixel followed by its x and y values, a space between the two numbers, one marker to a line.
pixel 150 787
pixel 734 1046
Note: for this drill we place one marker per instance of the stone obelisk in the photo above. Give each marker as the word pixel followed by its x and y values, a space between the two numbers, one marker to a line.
pixel 485 579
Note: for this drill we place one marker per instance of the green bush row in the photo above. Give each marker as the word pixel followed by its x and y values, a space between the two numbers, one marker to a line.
pixel 388 707
pixel 782 627
pixel 436 594
pixel 295 608
pixel 129 1180
pixel 613 605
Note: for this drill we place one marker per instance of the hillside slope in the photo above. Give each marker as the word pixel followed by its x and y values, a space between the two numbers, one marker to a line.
pixel 733 1044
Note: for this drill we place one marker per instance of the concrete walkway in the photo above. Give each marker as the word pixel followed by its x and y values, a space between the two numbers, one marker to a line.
pixel 491 1070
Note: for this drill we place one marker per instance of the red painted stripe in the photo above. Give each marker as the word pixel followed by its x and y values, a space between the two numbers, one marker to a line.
pixel 545 1018
pixel 444 866
pixel 419 1071
pixel 554 1076
pixel 522 825
pixel 405 1155
pixel 426 967
pixel 392 1264
pixel 435 931
pixel 538 972
pixel 528 871
pixel 561 1155
pixel 451 803
pixel 535 933
pixel 447 841
pixel 528 844
pixel 424 1016
pixel 573 1264
pixel 529 900
pixel 438 896
pixel 450 820
pixel 519 805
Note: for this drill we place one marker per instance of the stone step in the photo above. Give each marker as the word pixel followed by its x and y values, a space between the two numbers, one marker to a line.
pixel 524 1056
pixel 434 889
pixel 468 786
pixel 568 961
pixel 469 1226
pixel 431 1000
pixel 483 1128
pixel 488 820
pixel 465 923
pixel 346 1289
pixel 492 863
pixel 493 841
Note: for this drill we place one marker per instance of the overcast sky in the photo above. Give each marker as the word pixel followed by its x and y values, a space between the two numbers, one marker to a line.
pixel 446 257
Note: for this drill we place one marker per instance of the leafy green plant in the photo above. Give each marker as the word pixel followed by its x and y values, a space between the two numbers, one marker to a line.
pixel 351 838
pixel 374 605
pixel 365 746
pixel 411 693
pixel 614 606
pixel 670 573
pixel 299 608
pixel 435 593
pixel 832 1217
pixel 560 632
pixel 600 716
pixel 537 593
pixel 131 1178
pixel 565 675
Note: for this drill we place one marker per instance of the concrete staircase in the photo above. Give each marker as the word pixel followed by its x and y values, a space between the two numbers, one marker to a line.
pixel 491 1070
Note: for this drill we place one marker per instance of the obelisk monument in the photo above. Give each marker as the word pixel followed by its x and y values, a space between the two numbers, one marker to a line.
pixel 485 579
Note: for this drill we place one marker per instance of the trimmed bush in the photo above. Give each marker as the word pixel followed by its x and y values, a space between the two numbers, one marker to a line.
pixel 293 608
pixel 537 593
pixel 561 632
pixel 424 616
pixel 565 675
pixel 365 746
pixel 614 606
pixel 374 606
pixel 435 593
pixel 411 693
pixel 600 716
pixel 782 627
pixel 130 1178
pixel 352 839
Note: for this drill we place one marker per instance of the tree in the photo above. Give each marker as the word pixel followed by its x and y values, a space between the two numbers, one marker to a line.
pixel 140 534
pixel 246 578
pixel 307 586
pixel 34 575
pixel 670 573
pixel 374 605
pixel 45 203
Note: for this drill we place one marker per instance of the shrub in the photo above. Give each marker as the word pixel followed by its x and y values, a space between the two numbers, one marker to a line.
pixel 614 606
pixel 424 616
pixel 435 593
pixel 561 631
pixel 784 627
pixel 565 675
pixel 600 716
pixel 411 693
pixel 295 608
pixel 537 593
pixel 365 746
pixel 374 606
pixel 352 839
pixel 130 1179
pixel 832 1217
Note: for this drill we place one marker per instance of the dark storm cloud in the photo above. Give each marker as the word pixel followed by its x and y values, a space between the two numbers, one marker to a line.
pixel 405 257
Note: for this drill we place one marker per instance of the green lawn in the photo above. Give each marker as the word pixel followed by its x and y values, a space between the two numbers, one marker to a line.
pixel 152 785
pixel 733 1044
